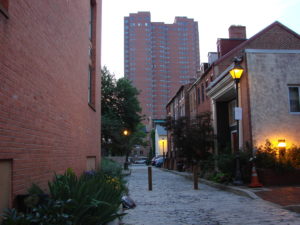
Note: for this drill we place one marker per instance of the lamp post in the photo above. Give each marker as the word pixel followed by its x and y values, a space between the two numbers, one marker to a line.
pixel 126 133
pixel 236 74
pixel 163 147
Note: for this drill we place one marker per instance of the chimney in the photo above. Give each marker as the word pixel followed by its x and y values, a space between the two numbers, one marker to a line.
pixel 237 31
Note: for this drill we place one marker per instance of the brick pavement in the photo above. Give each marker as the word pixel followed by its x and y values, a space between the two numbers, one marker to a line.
pixel 283 196
pixel 287 196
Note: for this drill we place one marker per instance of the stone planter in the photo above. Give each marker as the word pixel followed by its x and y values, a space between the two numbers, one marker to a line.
pixel 271 177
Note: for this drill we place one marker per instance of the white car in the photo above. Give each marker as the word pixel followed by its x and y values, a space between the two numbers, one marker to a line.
pixel 141 161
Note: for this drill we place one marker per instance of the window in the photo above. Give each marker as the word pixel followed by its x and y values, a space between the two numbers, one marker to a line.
pixel 202 92
pixel 206 85
pixel 91 21
pixel 91 66
pixel 294 98
pixel 90 86
pixel 231 118
pixel 4 7
pixel 91 163
pixel 198 96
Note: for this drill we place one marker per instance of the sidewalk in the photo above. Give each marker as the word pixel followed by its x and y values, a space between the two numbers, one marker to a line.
pixel 287 197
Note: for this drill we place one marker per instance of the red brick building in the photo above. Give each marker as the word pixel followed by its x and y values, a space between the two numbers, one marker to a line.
pixel 159 58
pixel 177 107
pixel 49 91
pixel 269 88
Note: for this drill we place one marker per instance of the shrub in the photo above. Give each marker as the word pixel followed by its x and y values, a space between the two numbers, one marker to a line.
pixel 95 198
pixel 91 199
pixel 13 217
pixel 220 177
pixel 269 157
pixel 111 168
pixel 227 166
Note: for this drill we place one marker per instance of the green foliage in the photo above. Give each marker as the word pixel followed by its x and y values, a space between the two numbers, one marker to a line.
pixel 120 110
pixel 13 217
pixel 91 199
pixel 193 139
pixel 96 197
pixel 35 190
pixel 268 156
pixel 271 157
pixel 111 168
pixel 50 213
pixel 226 163
pixel 293 156
pixel 221 177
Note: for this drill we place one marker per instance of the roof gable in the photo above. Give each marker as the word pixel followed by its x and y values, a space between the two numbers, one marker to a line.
pixel 260 34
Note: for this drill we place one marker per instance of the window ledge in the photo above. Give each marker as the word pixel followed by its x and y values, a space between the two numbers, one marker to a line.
pixel 92 106
pixel 4 11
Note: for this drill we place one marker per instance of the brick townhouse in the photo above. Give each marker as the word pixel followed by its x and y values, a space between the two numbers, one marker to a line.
pixel 269 88
pixel 49 91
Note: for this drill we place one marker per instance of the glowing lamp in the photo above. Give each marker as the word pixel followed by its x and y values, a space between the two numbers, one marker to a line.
pixel 281 143
pixel 126 132
pixel 236 72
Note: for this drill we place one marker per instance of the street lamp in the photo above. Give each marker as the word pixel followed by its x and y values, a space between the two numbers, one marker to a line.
pixel 236 73
pixel 163 146
pixel 126 133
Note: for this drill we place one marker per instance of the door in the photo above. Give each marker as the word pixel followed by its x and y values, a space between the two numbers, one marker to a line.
pixel 5 184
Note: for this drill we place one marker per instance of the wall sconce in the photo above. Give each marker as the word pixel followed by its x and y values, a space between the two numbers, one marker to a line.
pixel 281 143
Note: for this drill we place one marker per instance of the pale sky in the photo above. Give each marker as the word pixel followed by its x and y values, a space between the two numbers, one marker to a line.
pixel 214 17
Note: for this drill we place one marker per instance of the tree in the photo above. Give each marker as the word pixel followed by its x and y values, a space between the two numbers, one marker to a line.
pixel 193 139
pixel 120 110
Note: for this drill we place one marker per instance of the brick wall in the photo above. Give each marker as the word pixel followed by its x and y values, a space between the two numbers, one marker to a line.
pixel 46 124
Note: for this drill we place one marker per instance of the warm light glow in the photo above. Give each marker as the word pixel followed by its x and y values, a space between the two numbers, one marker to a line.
pixel 163 145
pixel 125 132
pixel 281 143
pixel 236 72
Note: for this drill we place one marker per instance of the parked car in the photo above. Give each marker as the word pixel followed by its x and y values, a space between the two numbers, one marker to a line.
pixel 159 161
pixel 141 161
pixel 154 158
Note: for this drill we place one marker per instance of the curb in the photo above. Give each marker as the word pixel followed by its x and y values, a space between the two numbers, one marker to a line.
pixel 229 188
pixel 235 190
pixel 126 172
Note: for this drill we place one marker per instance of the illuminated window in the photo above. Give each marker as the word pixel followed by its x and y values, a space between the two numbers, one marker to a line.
pixel 294 98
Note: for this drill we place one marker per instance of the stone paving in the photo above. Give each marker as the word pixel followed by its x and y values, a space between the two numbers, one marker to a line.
pixel 174 202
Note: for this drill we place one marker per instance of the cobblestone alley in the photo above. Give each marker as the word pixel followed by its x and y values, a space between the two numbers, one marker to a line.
pixel 174 202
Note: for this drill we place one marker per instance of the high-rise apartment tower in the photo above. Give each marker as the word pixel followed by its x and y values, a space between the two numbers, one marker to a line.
pixel 159 58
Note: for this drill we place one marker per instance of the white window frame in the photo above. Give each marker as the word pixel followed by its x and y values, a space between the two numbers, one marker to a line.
pixel 293 86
